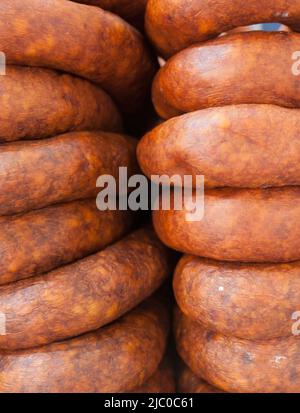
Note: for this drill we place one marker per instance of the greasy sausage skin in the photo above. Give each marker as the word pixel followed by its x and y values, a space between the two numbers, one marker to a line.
pixel 173 25
pixel 237 365
pixel 233 69
pixel 250 225
pixel 38 103
pixel 39 241
pixel 188 382
pixel 131 10
pixel 36 174
pixel 85 295
pixel 54 34
pixel 162 381
pixel 234 298
pixel 234 146
pixel 115 358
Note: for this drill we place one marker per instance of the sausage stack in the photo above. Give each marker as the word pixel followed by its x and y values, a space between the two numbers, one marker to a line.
pixel 234 104
pixel 74 286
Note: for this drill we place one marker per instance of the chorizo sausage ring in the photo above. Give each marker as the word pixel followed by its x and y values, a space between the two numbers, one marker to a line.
pixel 249 225
pixel 55 34
pixel 210 141
pixel 188 382
pixel 39 241
pixel 36 174
pixel 112 359
pixel 233 69
pixel 173 25
pixel 39 103
pixel 236 365
pixel 131 10
pixel 85 295
pixel 225 297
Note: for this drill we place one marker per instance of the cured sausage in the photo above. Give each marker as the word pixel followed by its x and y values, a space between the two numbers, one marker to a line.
pixel 39 103
pixel 85 295
pixel 162 380
pixel 112 359
pixel 36 174
pixel 45 239
pixel 55 34
pixel 234 69
pixel 234 146
pixel 173 25
pixel 188 382
pixel 130 10
pixel 235 365
pixel 251 301
pixel 251 225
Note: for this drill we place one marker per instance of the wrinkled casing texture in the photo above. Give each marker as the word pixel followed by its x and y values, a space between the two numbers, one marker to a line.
pixel 250 225
pixel 173 25
pixel 85 295
pixel 251 301
pixel 241 68
pixel 162 381
pixel 55 34
pixel 188 382
pixel 39 103
pixel 41 240
pixel 228 145
pixel 120 356
pixel 237 365
pixel 36 174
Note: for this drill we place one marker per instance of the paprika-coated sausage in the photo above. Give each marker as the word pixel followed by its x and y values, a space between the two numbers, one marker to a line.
pixel 115 358
pixel 234 146
pixel 85 295
pixel 251 225
pixel 39 103
pixel 251 301
pixel 253 67
pixel 173 25
pixel 35 174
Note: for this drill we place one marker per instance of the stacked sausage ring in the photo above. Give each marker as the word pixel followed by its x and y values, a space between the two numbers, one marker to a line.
pixel 231 106
pixel 72 281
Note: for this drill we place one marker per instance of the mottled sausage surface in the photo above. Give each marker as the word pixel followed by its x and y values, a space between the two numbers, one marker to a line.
pixel 115 358
pixel 38 103
pixel 162 381
pixel 252 301
pixel 173 25
pixel 253 67
pixel 36 174
pixel 85 295
pixel 235 146
pixel 236 365
pixel 255 225
pixel 42 240
pixel 130 10
pixel 188 382
pixel 55 34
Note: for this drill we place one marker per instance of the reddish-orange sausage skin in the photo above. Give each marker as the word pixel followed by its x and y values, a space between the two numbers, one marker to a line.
pixel 249 225
pixel 228 145
pixel 234 298
pixel 39 103
pixel 36 174
pixel 173 25
pixel 241 68
pixel 85 295
pixel 236 365
pixel 112 359
pixel 55 34
pixel 39 241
